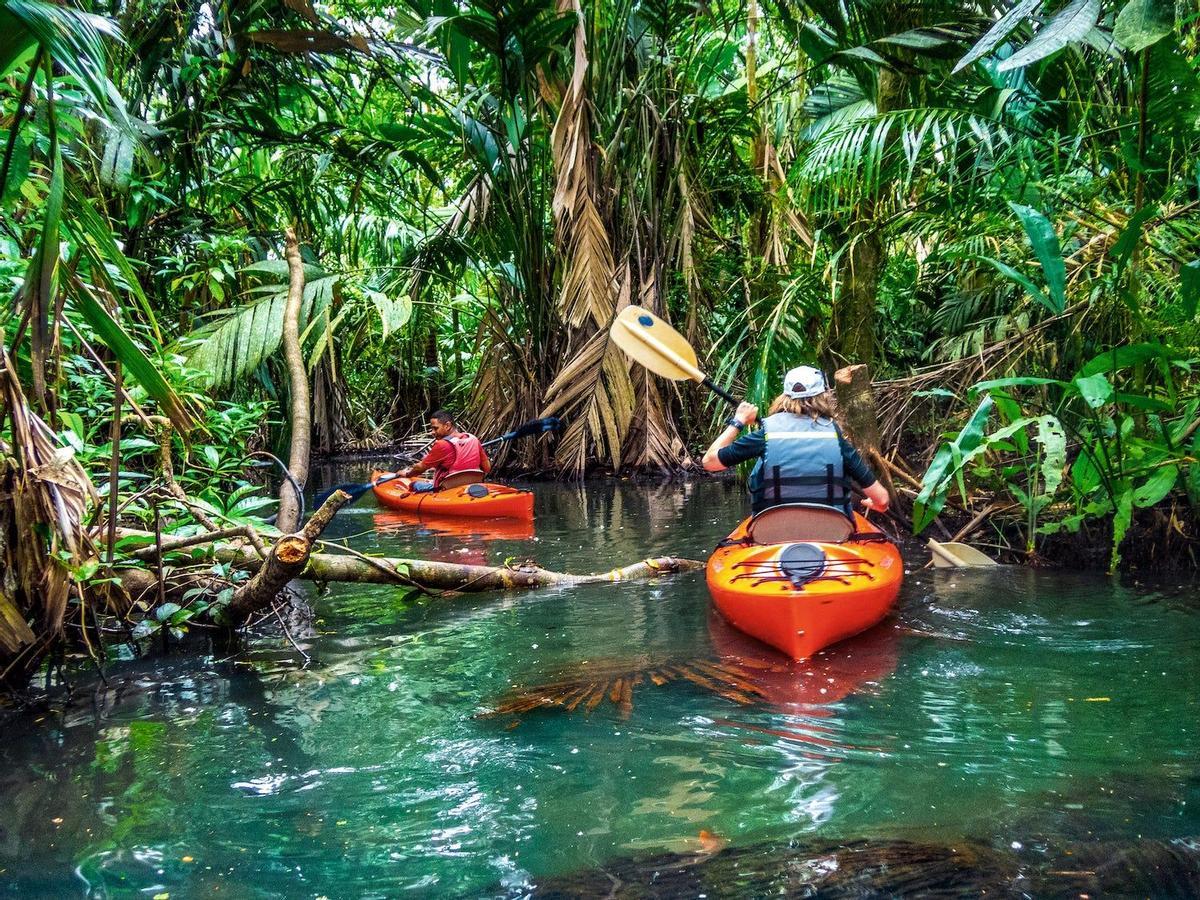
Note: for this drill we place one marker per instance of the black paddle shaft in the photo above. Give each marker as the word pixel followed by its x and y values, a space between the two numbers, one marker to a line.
pixel 720 391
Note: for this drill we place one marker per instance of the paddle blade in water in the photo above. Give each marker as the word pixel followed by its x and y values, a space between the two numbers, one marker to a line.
pixel 655 344
pixel 949 555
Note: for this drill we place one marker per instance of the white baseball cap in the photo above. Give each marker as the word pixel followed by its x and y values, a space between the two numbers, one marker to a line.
pixel 804 381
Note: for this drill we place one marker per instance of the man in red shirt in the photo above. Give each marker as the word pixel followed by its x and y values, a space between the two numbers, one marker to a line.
pixel 452 451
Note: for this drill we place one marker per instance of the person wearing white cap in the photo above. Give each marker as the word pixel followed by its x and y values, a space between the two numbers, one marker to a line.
pixel 802 455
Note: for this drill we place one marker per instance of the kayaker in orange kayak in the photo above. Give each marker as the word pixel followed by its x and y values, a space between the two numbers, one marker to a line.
pixel 802 455
pixel 452 451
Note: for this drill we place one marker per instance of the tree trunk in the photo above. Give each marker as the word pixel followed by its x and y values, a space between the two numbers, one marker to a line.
pixel 855 315
pixel 856 401
pixel 289 504
pixel 862 265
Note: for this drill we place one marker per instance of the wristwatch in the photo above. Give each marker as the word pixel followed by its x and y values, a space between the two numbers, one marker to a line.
pixel 732 422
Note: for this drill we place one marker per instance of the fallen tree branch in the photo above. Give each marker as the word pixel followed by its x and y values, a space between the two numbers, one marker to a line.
pixel 170 545
pixel 286 560
pixel 459 577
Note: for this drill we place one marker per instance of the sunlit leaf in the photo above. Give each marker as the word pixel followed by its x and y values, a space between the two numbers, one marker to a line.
pixel 1069 26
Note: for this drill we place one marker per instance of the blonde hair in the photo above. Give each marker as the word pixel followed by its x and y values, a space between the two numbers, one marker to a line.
pixel 822 406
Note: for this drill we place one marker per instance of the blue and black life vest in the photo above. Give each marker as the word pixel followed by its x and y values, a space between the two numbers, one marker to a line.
pixel 802 464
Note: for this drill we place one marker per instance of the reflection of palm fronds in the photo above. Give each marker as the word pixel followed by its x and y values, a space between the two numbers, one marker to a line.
pixel 45 495
pixel 588 686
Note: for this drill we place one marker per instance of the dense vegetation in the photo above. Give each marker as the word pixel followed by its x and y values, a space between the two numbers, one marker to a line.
pixel 994 206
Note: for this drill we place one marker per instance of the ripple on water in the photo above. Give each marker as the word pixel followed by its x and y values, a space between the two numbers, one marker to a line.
pixel 998 705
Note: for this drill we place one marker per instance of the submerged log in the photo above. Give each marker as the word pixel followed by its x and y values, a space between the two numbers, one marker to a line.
pixel 892 868
pixel 460 577
pixel 418 573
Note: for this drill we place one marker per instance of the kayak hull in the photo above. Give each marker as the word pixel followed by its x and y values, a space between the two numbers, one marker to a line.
pixel 497 501
pixel 862 582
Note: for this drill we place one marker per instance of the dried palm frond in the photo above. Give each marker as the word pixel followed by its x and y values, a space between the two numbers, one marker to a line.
pixel 592 388
pixel 595 389
pixel 44 497
pixel 586 687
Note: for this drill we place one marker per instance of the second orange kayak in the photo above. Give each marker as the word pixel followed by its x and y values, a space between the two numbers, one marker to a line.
pixel 482 500
pixel 803 584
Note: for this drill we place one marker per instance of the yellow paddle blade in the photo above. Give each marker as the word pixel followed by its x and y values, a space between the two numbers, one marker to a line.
pixel 656 345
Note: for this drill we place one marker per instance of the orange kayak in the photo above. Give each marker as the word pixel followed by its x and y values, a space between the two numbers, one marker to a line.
pixel 801 577
pixel 482 500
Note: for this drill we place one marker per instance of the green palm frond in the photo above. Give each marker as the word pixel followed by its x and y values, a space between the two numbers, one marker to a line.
pixel 855 159
pixel 240 340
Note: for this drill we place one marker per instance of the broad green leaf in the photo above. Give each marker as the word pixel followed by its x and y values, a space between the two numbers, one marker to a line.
pixel 946 464
pixel 1141 401
pixel 1048 251
pixel 865 54
pixel 932 498
pixel 998 32
pixel 279 268
pixel 1054 452
pixel 1189 286
pixel 1142 23
pixel 165 611
pixel 139 366
pixel 1085 476
pixel 1015 381
pixel 1122 519
pixel 18 168
pixel 1192 480
pixel 1070 25
pixel 393 314
pixel 1095 389
pixel 94 235
pixel 73 39
pixel 1130 354
pixel 921 38
pixel 1156 487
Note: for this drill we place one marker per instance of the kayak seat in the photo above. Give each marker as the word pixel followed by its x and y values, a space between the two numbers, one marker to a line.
pixel 802 563
pixel 793 522
pixel 462 479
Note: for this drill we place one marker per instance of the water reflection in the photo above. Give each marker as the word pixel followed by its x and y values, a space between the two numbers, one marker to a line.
pixel 998 706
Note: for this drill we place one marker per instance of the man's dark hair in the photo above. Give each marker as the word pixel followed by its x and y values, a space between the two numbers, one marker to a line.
pixel 442 416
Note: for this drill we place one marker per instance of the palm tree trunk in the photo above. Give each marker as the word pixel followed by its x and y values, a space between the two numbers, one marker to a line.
pixel 289 503
pixel 863 264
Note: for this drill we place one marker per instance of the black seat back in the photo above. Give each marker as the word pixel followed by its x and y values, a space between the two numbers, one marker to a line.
pixel 792 522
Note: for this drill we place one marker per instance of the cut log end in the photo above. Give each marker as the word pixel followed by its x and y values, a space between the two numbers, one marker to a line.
pixel 292 549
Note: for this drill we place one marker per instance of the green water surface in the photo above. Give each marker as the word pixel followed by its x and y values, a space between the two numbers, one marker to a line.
pixel 1004 707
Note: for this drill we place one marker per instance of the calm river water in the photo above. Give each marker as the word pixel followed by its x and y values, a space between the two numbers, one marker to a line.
pixel 1013 710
